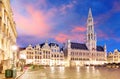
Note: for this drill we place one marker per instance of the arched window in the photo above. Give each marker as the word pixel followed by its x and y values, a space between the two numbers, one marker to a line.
pixel 91 36
pixel 91 27
pixel 88 37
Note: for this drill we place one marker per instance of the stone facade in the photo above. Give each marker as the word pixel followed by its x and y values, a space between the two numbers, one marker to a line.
pixel 77 54
pixel 43 54
pixel 8 33
pixel 114 57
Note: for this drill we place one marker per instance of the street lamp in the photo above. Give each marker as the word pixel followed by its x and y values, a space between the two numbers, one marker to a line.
pixel 14 48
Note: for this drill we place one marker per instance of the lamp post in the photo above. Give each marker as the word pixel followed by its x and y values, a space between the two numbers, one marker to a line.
pixel 14 48
pixel 11 73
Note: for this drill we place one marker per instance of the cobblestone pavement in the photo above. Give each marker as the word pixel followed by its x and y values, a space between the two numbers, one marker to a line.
pixel 33 75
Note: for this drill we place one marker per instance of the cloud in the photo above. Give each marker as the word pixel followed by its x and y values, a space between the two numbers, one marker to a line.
pixel 76 34
pixel 62 37
pixel 103 20
pixel 34 22
pixel 104 17
pixel 117 39
pixel 65 7
pixel 79 29
pixel 102 35
pixel 107 35
pixel 38 22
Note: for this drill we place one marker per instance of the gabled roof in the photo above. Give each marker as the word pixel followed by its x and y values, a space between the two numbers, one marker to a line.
pixel 78 46
pixel 100 48
pixel 41 45
pixel 50 44
pixel 53 44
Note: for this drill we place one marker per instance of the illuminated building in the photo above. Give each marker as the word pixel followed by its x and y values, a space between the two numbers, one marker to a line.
pixel 73 54
pixel 8 34
pixel 114 57
pixel 77 54
pixel 43 54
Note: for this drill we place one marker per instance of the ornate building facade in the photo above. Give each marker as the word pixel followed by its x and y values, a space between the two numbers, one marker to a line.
pixel 43 54
pixel 8 33
pixel 77 54
pixel 114 57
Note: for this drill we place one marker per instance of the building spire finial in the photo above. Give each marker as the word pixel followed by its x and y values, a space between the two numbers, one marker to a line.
pixel 90 13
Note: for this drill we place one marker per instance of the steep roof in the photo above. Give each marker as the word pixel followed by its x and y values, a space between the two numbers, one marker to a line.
pixel 84 47
pixel 100 48
pixel 50 44
pixel 53 44
pixel 41 45
pixel 20 49
pixel 78 46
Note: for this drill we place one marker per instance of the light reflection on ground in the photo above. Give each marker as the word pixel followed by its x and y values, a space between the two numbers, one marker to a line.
pixel 72 73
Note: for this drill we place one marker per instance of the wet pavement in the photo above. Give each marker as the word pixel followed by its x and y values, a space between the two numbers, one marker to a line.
pixel 72 73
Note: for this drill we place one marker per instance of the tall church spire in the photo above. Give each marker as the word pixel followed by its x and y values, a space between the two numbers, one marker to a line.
pixel 90 13
pixel 91 36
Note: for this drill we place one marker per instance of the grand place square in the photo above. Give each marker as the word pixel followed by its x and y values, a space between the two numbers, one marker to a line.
pixel 66 39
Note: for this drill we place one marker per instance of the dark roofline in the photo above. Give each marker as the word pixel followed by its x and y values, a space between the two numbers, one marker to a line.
pixel 21 48
pixel 53 44
pixel 78 46
pixel 100 48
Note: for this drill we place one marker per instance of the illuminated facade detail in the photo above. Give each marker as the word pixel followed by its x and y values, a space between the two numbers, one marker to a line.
pixel 77 54
pixel 114 57
pixel 8 33
pixel 43 54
